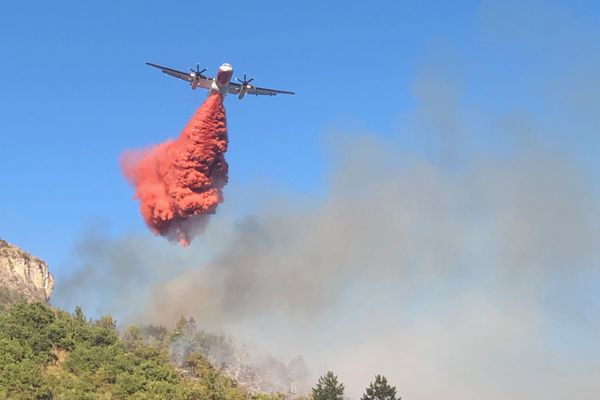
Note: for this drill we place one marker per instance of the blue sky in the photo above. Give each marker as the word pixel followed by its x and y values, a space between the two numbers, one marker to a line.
pixel 76 92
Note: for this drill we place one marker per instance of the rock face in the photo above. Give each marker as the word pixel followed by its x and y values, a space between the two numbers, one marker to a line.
pixel 22 276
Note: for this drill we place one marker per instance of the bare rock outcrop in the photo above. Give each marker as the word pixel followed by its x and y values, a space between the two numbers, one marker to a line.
pixel 23 276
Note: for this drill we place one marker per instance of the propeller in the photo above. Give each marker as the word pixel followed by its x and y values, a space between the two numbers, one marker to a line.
pixel 197 72
pixel 245 81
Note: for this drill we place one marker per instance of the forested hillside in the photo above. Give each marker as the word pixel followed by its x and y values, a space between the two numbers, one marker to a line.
pixel 50 354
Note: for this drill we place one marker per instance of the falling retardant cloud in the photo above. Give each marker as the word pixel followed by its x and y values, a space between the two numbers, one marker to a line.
pixel 179 182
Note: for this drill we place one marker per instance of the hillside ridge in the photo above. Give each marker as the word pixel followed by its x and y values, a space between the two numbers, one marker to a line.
pixel 23 277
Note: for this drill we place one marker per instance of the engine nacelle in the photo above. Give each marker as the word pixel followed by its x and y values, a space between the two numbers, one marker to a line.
pixel 243 92
pixel 194 83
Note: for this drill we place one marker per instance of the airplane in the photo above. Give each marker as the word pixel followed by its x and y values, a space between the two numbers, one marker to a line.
pixel 221 84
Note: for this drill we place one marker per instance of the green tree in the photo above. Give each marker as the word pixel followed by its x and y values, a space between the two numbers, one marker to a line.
pixel 132 338
pixel 106 322
pixel 79 317
pixel 380 390
pixel 328 388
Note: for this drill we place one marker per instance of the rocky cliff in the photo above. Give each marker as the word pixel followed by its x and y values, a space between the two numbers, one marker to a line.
pixel 22 276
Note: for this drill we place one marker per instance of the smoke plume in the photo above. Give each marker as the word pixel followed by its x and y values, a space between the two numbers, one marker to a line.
pixel 446 282
pixel 179 182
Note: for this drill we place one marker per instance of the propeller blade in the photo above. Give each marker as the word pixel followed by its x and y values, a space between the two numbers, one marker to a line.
pixel 245 81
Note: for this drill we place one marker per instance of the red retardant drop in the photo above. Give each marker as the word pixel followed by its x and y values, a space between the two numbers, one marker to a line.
pixel 179 182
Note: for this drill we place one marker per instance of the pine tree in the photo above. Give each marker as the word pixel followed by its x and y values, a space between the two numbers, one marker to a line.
pixel 380 390
pixel 328 388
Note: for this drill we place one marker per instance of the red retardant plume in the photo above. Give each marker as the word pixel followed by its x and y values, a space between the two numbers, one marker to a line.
pixel 179 182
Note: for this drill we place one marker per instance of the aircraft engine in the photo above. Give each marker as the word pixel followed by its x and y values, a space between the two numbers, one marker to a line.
pixel 245 86
pixel 194 83
pixel 196 74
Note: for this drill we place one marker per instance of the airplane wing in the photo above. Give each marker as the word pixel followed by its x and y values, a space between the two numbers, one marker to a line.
pixel 203 81
pixel 234 88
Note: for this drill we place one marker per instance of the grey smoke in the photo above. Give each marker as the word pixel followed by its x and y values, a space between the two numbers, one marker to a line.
pixel 443 281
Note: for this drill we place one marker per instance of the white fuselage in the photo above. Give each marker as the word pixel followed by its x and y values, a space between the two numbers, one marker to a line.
pixel 221 83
